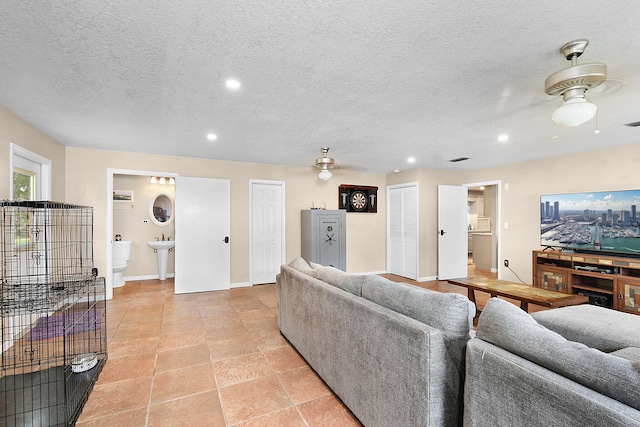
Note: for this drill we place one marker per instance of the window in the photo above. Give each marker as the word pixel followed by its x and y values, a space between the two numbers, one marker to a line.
pixel 30 181
pixel 24 184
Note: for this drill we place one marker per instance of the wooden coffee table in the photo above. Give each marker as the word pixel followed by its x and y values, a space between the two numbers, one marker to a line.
pixel 524 293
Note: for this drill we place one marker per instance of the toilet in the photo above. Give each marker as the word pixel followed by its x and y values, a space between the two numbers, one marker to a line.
pixel 121 256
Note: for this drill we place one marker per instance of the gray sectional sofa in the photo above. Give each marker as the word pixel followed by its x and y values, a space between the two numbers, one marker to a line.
pixel 399 355
pixel 520 373
pixel 393 353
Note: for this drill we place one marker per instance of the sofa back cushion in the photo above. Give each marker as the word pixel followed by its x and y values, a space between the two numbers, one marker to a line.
pixel 629 353
pixel 507 326
pixel 448 312
pixel 597 327
pixel 300 264
pixel 351 283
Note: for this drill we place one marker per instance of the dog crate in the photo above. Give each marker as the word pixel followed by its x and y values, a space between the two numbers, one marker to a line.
pixel 54 342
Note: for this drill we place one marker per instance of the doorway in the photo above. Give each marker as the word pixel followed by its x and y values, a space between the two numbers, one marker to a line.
pixel 108 274
pixel 484 218
pixel 453 252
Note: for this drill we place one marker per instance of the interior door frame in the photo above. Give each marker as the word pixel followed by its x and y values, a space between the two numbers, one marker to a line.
pixel 108 274
pixel 498 228
pixel 416 185
pixel 283 240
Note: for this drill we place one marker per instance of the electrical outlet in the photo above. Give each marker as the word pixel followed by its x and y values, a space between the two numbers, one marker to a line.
pixel 506 263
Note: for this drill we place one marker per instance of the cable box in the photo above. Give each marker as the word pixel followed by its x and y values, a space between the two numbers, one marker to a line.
pixel 594 269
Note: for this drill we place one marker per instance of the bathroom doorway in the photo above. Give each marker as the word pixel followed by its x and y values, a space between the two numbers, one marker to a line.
pixel 110 234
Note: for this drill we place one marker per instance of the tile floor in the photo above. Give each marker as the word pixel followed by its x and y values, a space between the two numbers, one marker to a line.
pixel 205 359
pixel 210 359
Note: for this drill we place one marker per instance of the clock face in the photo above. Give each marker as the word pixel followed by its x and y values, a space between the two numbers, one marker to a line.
pixel 358 200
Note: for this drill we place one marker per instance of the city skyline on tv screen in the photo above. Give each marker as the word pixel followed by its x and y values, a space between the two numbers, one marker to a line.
pixel 601 221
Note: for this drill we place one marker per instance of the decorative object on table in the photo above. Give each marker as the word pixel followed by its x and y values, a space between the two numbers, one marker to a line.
pixel 358 198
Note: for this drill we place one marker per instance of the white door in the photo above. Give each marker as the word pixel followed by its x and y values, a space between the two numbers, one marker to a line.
pixel 203 224
pixel 266 230
pixel 402 229
pixel 452 232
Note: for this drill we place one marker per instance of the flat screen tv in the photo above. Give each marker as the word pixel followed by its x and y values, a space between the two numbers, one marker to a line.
pixel 605 221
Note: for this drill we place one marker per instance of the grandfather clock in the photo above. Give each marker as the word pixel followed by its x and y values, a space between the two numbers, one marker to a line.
pixel 324 237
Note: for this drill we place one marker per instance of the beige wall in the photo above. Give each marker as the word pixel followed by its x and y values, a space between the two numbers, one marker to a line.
pixel 14 129
pixel 85 182
pixel 366 250
pixel 599 170
pixel 129 221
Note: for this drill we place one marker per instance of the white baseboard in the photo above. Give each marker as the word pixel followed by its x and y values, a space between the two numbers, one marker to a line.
pixel 240 285
pixel 427 279
pixel 147 277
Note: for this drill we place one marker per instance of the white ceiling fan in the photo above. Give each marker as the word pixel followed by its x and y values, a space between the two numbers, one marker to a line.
pixel 572 84
pixel 325 163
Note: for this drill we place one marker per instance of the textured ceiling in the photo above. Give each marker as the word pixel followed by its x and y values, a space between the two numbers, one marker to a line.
pixel 376 81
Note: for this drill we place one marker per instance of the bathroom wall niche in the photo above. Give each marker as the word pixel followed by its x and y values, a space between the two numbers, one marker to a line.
pixel 161 209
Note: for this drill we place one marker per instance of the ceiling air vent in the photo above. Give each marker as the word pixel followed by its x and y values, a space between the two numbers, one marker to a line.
pixel 633 124
pixel 459 159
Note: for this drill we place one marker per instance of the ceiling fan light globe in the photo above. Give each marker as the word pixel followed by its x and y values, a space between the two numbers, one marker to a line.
pixel 574 112
pixel 325 175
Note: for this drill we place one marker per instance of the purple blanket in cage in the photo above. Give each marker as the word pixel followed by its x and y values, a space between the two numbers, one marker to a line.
pixel 73 321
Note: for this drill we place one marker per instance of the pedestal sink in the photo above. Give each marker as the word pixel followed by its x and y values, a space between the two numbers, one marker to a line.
pixel 161 247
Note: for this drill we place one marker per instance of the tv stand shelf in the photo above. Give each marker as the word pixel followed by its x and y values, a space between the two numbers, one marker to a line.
pixel 609 281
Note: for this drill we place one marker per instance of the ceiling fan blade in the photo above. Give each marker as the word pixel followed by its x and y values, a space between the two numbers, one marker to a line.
pixel 353 168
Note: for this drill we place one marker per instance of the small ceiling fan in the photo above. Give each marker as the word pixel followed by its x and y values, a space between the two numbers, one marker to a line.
pixel 325 163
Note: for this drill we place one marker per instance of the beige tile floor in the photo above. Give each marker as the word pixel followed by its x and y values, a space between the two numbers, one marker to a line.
pixel 210 359
pixel 204 359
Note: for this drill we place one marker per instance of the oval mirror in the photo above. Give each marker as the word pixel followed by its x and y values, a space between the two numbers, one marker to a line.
pixel 161 209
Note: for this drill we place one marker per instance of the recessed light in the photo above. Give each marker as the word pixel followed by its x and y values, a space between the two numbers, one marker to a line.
pixel 503 138
pixel 411 160
pixel 212 136
pixel 396 171
pixel 233 84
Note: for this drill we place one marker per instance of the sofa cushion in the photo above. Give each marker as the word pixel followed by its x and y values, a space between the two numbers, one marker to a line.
pixel 351 283
pixel 597 327
pixel 507 326
pixel 300 264
pixel 448 312
pixel 629 353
